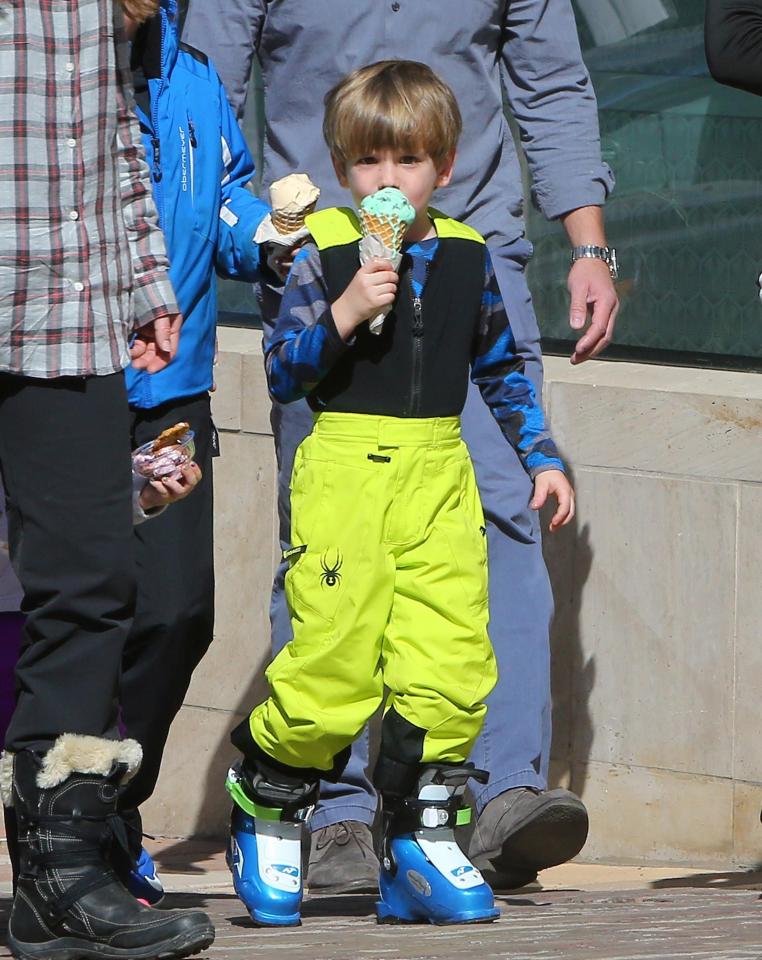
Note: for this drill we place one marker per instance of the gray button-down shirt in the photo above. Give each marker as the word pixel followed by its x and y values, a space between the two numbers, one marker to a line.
pixel 82 258
pixel 527 49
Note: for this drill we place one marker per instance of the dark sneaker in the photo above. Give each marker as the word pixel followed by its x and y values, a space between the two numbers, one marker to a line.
pixel 523 831
pixel 342 859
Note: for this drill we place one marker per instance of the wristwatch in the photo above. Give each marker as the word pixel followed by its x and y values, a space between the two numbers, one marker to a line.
pixel 591 252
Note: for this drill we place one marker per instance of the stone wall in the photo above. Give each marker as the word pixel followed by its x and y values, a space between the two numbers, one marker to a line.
pixel 657 653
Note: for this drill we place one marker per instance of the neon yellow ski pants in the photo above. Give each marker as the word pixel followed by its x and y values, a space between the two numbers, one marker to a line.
pixel 387 586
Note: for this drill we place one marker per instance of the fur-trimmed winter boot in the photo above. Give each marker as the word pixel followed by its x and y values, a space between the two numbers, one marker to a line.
pixel 69 902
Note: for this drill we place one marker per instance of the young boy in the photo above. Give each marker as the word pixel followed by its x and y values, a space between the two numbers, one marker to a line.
pixel 387 583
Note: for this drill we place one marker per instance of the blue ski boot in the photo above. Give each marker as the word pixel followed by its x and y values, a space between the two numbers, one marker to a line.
pixel 425 878
pixel 265 855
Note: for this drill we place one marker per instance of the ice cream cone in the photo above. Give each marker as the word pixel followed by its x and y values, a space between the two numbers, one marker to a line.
pixel 385 217
pixel 288 221
pixel 292 198
pixel 390 230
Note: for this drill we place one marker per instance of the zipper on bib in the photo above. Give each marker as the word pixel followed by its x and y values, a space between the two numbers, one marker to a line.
pixel 417 372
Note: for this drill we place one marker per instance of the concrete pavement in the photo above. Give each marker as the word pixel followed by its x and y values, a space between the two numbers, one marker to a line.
pixel 579 912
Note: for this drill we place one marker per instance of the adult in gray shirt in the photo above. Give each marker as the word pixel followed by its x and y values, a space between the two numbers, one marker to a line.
pixel 527 50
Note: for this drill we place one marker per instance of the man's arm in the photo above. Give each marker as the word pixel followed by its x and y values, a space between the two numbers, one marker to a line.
pixel 733 42
pixel 591 290
pixel 157 316
pixel 227 31
pixel 552 99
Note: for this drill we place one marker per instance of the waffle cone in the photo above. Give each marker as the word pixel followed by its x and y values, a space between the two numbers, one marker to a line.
pixel 390 230
pixel 288 222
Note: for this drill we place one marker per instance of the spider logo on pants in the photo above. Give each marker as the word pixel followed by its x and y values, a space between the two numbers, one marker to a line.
pixel 330 576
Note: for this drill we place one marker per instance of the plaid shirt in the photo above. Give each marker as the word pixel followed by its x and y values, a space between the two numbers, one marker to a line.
pixel 82 259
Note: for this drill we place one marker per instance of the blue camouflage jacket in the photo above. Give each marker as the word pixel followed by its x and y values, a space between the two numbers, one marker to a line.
pixel 200 168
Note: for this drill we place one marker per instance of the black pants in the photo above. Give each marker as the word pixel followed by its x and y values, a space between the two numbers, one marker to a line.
pixel 174 617
pixel 65 460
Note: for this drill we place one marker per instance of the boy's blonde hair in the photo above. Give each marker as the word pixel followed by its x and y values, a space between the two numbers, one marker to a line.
pixel 392 104
pixel 140 10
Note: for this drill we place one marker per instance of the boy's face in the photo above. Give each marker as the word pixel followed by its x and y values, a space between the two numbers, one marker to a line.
pixel 415 174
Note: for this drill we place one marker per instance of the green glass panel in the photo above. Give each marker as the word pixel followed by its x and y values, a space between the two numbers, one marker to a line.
pixel 686 215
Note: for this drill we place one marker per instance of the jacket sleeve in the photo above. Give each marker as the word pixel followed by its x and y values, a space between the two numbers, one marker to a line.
pixel 733 42
pixel 498 370
pixel 139 515
pixel 237 255
pixel 552 100
pixel 305 343
pixel 227 31
pixel 153 295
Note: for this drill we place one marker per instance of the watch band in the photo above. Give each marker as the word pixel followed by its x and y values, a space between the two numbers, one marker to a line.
pixel 590 251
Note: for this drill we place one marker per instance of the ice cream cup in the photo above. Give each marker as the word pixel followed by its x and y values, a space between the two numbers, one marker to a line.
pixel 167 462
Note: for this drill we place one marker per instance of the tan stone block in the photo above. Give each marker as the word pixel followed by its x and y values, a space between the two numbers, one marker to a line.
pixel 256 399
pixel 241 340
pixel 190 797
pixel 654 377
pixel 691 434
pixel 229 677
pixel 653 682
pixel 657 816
pixel 227 398
pixel 748 716
pixel 747 830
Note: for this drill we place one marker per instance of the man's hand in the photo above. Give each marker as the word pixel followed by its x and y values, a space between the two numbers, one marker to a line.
pixel 590 285
pixel 373 287
pixel 592 293
pixel 155 344
pixel 554 483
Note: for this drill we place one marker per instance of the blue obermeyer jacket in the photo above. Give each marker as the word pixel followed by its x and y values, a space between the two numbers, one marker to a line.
pixel 200 166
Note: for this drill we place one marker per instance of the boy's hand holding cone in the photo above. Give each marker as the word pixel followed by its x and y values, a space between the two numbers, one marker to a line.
pixel 385 217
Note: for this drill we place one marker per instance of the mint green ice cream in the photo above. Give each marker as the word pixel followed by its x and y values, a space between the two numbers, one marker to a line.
pixel 389 203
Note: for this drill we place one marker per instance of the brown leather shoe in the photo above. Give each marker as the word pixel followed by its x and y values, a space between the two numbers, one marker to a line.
pixel 342 859
pixel 523 831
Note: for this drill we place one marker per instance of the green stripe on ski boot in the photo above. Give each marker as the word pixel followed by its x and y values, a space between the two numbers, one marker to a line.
pixel 249 806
